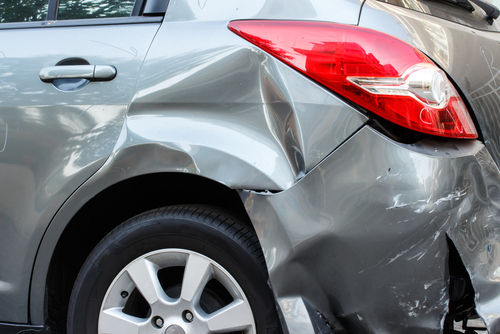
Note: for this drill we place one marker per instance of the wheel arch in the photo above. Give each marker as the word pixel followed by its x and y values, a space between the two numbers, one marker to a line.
pixel 70 237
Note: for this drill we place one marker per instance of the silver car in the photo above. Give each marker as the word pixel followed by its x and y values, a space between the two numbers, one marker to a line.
pixel 249 166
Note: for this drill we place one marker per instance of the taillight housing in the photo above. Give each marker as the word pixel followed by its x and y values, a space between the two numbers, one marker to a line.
pixel 374 70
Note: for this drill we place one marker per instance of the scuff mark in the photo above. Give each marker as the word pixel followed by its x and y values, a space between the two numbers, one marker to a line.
pixel 418 256
pixel 264 192
pixel 426 205
pixel 454 195
pixel 400 254
pixel 398 203
pixel 411 307
pixel 489 61
pixel 387 174
pixel 3 136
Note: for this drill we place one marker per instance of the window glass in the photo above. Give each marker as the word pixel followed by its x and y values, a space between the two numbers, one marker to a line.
pixel 23 10
pixel 88 9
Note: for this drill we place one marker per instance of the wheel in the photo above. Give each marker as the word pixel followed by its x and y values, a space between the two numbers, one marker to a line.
pixel 176 270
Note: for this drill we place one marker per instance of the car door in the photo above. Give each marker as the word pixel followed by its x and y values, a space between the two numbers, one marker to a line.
pixel 68 71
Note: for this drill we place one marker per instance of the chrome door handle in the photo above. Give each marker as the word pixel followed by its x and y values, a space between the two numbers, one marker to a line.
pixel 89 72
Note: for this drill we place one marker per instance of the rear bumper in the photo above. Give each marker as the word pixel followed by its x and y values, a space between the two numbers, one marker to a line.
pixel 363 236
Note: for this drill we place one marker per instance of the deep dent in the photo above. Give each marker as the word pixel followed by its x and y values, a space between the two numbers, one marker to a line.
pixel 364 239
pixel 230 102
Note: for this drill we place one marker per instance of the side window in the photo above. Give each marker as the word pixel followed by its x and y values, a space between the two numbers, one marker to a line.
pixel 89 9
pixel 23 10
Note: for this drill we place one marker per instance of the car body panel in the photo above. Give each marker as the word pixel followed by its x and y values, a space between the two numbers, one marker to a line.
pixel 363 236
pixel 210 101
pixel 54 140
pixel 357 226
pixel 341 11
pixel 472 58
pixel 221 94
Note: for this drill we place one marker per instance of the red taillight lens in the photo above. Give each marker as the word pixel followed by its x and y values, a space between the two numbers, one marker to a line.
pixel 376 71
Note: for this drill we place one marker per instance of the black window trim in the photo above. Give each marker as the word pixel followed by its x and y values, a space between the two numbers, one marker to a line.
pixel 52 11
pixel 138 7
pixel 52 22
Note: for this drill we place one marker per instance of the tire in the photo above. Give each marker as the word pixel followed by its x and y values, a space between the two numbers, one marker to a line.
pixel 169 240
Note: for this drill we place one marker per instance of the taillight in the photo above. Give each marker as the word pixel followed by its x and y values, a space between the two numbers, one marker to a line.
pixel 374 70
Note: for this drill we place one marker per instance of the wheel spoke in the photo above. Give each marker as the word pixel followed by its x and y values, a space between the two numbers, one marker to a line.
pixel 144 274
pixel 236 316
pixel 114 321
pixel 196 275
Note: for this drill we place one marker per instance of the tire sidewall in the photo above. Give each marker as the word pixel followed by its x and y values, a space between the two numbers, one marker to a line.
pixel 143 235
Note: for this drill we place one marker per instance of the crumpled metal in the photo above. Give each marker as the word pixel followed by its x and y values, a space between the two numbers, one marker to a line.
pixel 363 236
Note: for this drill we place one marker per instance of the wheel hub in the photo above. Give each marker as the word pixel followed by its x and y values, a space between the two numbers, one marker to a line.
pixel 175 314
pixel 174 329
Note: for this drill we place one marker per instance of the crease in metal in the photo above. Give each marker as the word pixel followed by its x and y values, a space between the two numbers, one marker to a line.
pixel 370 237
pixel 286 123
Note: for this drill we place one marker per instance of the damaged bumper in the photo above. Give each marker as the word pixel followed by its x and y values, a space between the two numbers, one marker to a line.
pixel 363 236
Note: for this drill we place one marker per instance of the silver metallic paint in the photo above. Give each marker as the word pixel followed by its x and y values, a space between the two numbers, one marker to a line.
pixel 220 94
pixel 206 96
pixel 218 108
pixel 472 58
pixel 54 140
pixel 362 237
pixel 341 11
pixel 296 316
pixel 300 317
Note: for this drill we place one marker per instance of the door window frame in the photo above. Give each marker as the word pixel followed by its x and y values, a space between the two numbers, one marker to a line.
pixel 51 22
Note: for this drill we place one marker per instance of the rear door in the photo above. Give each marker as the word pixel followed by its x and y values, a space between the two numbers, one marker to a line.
pixel 68 71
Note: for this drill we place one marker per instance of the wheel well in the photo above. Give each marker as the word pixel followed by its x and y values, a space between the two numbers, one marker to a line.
pixel 113 206
pixel 461 292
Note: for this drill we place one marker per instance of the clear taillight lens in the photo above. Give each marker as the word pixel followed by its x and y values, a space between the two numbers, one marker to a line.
pixel 374 70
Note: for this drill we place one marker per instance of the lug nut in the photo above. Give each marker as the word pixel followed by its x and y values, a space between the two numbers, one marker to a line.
pixel 188 316
pixel 158 322
pixel 124 294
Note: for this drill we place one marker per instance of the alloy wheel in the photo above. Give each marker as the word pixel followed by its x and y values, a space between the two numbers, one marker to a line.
pixel 175 291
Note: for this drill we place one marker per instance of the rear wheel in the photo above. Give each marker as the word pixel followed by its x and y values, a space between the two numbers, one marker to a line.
pixel 178 270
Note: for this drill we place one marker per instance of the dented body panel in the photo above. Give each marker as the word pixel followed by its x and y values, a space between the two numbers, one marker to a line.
pixel 219 108
pixel 259 103
pixel 354 225
pixel 472 58
pixel 363 236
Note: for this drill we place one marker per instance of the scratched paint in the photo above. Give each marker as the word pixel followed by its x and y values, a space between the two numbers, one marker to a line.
pixel 373 248
pixel 4 133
